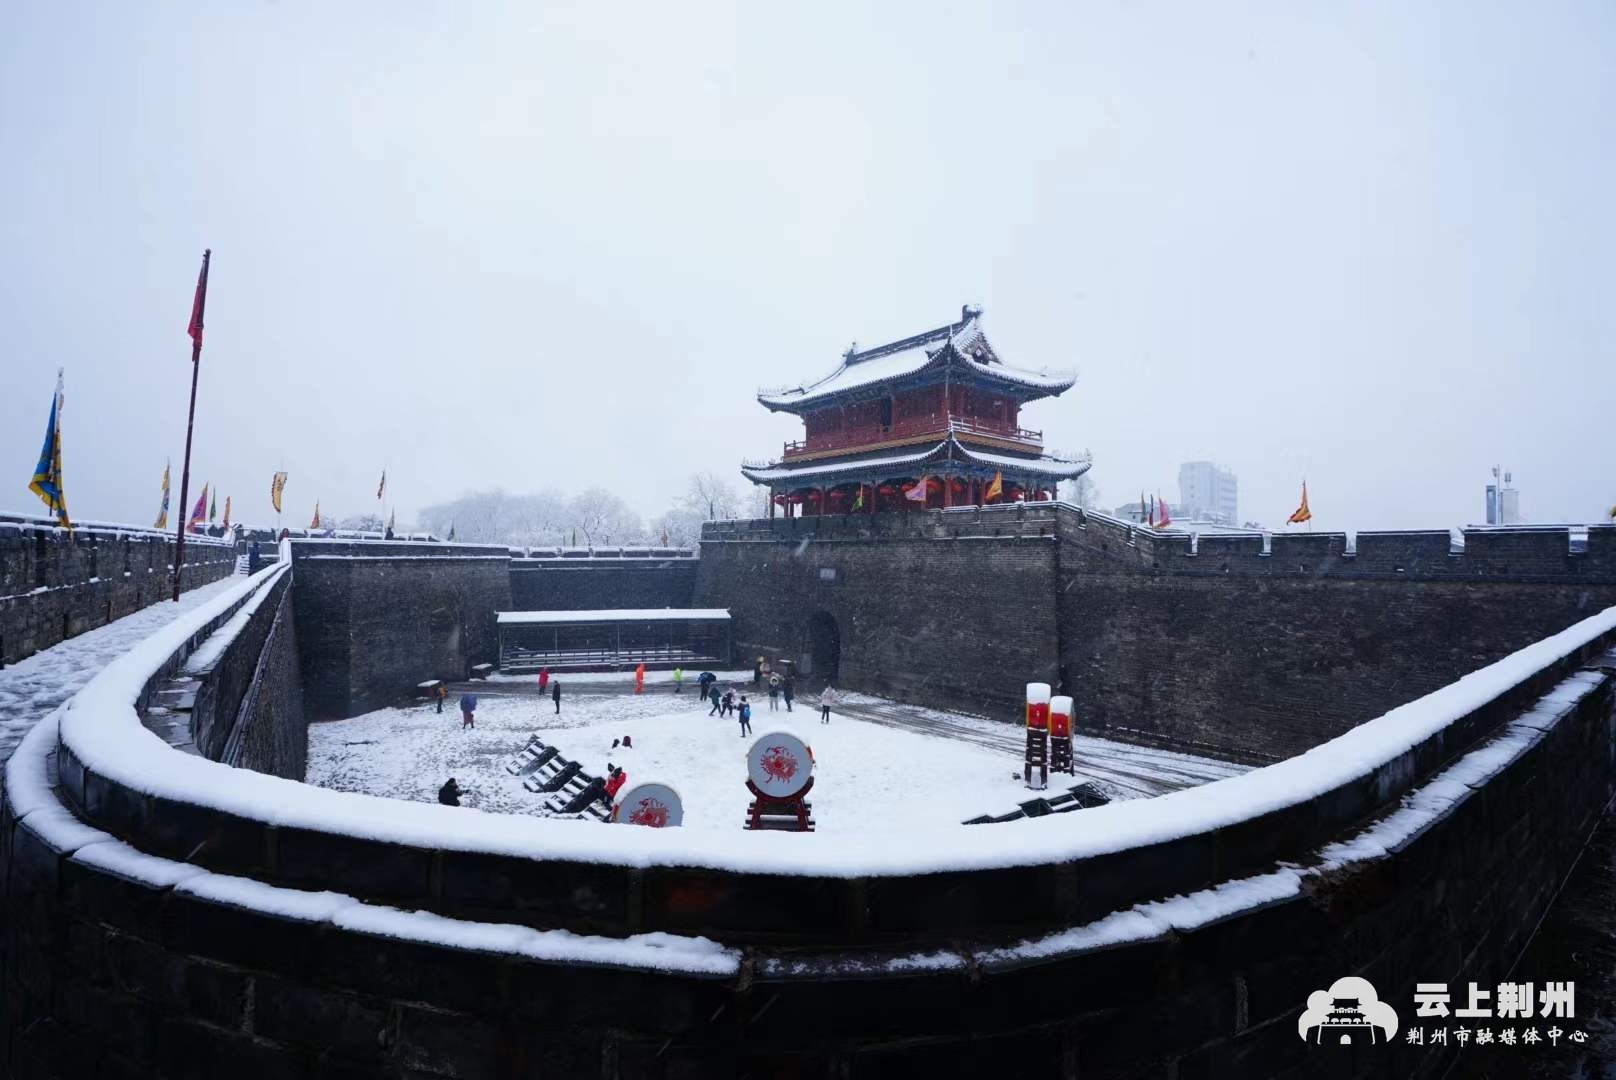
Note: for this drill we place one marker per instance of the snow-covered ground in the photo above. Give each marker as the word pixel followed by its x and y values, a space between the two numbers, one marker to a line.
pixel 30 689
pixel 871 773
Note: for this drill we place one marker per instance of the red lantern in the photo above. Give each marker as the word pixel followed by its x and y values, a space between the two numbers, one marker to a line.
pixel 1038 706
pixel 1060 717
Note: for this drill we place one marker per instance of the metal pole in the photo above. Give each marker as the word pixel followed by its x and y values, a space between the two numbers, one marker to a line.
pixel 190 423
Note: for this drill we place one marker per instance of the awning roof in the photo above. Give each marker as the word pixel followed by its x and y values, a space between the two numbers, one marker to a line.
pixel 942 453
pixel 609 615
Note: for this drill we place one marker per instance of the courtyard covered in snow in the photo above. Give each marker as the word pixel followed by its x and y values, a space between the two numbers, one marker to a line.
pixel 878 765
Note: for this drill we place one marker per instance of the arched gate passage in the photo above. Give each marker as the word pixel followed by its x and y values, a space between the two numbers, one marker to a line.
pixel 824 646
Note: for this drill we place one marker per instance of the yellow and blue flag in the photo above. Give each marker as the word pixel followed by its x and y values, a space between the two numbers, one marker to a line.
pixel 162 515
pixel 47 481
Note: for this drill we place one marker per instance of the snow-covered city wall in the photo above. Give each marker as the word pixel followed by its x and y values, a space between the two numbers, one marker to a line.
pixel 1251 647
pixel 1232 900
pixel 374 619
pixel 56 583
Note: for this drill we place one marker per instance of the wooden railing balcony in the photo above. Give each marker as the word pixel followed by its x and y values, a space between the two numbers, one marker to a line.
pixel 850 439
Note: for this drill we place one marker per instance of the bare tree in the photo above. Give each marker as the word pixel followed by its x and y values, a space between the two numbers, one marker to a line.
pixel 1081 491
pixel 604 518
pixel 362 523
pixel 713 496
pixel 680 525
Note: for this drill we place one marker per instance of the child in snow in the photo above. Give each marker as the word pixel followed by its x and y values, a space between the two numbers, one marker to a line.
pixel 468 709
pixel 745 713
pixel 774 692
pixel 614 784
pixel 729 703
pixel 449 794
pixel 544 678
pixel 555 695
pixel 827 698
pixel 443 692
pixel 712 695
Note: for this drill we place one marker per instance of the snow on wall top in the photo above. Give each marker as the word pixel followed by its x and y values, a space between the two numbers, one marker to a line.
pixel 101 727
pixel 522 618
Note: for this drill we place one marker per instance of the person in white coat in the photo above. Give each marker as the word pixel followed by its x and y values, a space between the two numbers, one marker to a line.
pixel 827 698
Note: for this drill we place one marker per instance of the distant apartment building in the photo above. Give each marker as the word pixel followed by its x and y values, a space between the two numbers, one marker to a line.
pixel 1208 492
pixel 1503 500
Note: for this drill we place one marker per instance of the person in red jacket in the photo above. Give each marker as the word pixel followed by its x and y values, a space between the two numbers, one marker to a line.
pixel 544 679
pixel 614 784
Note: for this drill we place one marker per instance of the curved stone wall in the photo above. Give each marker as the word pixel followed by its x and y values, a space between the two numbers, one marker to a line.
pixel 160 922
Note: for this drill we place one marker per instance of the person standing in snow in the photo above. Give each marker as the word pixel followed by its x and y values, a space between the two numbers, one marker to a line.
pixel 555 695
pixel 614 784
pixel 449 794
pixel 443 692
pixel 757 674
pixel 729 702
pixel 678 679
pixel 774 692
pixel 468 710
pixel 745 713
pixel 827 698
pixel 639 679
pixel 544 679
pixel 789 691
pixel 712 695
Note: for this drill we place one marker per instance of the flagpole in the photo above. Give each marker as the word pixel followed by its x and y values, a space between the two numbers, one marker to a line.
pixel 190 418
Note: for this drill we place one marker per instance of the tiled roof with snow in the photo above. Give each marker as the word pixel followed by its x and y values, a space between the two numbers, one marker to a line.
pixel 949 449
pixel 526 618
pixel 910 356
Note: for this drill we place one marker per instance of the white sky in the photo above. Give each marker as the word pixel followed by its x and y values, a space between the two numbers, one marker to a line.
pixel 543 245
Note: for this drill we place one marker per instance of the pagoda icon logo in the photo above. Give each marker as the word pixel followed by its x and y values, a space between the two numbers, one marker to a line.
pixel 1349 1012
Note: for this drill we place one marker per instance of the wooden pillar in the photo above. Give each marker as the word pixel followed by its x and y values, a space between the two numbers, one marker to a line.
pixel 948 491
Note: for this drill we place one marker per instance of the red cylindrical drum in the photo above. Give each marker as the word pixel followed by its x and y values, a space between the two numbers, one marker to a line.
pixel 1038 705
pixel 1060 717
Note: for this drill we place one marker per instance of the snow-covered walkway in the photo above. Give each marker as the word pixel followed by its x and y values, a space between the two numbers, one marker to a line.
pixel 30 689
pixel 1123 770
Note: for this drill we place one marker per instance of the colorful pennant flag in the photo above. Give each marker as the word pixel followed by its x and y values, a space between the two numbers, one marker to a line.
pixel 227 511
pixel 995 489
pixel 858 498
pixel 213 509
pixel 1302 512
pixel 199 302
pixel 391 517
pixel 452 532
pixel 918 492
pixel 276 486
pixel 315 524
pixel 381 487
pixel 162 515
pixel 47 481
pixel 1166 520
pixel 1141 508
pixel 199 512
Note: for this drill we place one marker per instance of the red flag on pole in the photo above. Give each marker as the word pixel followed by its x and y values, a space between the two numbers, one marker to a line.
pixel 198 303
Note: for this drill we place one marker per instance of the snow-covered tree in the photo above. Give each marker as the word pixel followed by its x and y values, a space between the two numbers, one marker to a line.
pixel 1081 491
pixel 713 496
pixel 604 519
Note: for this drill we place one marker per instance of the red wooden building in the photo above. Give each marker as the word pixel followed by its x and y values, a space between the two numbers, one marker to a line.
pixel 939 409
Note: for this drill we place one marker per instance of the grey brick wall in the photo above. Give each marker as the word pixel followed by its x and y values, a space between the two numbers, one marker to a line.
pixel 373 620
pixel 56 585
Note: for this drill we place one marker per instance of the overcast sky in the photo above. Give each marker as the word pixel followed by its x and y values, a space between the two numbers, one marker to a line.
pixel 557 246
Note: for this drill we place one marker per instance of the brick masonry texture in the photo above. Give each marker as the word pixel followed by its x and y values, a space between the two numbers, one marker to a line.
pixel 55 585
pixel 1230 650
pixel 104 976
pixel 374 619
pixel 564 584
